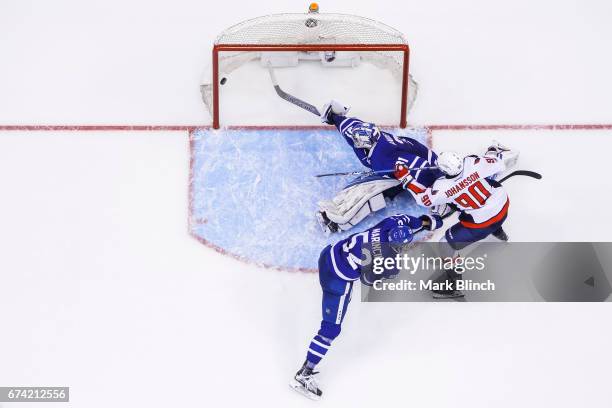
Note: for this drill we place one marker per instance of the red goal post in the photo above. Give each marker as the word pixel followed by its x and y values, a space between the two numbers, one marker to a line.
pixel 307 33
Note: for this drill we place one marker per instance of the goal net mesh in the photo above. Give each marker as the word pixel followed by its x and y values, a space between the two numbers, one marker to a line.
pixel 309 29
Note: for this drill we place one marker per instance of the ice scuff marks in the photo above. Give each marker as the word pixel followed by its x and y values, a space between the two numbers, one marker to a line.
pixel 254 194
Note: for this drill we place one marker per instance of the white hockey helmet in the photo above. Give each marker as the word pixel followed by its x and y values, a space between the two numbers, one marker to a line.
pixel 450 163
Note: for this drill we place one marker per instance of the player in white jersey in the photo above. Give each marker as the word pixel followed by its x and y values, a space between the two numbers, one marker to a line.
pixel 469 186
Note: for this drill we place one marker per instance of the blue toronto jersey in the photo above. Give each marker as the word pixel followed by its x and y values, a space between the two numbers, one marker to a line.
pixel 390 150
pixel 346 255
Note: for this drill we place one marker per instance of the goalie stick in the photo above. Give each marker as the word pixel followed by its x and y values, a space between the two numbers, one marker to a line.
pixel 290 98
pixel 370 172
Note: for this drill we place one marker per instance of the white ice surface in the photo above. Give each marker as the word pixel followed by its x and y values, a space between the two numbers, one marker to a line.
pixel 570 188
pixel 103 290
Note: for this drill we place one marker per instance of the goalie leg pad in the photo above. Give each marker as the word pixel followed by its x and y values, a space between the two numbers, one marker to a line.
pixel 374 204
pixel 356 202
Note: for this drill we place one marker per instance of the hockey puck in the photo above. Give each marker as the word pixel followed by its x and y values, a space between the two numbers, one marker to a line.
pixel 223 80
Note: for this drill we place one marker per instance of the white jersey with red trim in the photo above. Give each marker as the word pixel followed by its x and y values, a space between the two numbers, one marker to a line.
pixel 481 200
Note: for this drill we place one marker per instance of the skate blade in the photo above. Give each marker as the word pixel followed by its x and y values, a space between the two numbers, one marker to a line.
pixel 456 294
pixel 300 389
pixel 322 224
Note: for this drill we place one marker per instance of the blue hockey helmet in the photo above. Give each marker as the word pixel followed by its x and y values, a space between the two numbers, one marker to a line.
pixel 399 237
pixel 365 135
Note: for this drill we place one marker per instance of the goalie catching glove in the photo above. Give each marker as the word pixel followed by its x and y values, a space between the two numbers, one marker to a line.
pixel 333 108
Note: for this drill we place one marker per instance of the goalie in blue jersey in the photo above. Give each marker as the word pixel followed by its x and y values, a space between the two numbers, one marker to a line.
pixel 340 265
pixel 379 151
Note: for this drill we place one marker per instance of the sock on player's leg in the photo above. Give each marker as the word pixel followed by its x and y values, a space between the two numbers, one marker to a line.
pixel 317 350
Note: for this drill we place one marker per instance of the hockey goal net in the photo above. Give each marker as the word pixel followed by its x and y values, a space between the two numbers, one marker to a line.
pixel 329 40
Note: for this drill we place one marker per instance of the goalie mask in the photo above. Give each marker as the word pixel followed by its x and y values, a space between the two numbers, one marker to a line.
pixel 365 135
pixel 400 237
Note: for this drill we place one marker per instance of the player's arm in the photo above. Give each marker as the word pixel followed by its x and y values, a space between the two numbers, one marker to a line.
pixel 425 221
pixel 334 113
pixel 406 171
pixel 416 148
pixel 432 197
pixel 352 129
pixel 488 166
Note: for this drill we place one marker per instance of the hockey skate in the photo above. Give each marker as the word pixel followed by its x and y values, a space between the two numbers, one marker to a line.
pixel 327 225
pixel 447 294
pixel 305 384
pixel 501 234
pixel 448 283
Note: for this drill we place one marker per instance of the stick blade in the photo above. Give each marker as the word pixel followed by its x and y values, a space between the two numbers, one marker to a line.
pixel 527 173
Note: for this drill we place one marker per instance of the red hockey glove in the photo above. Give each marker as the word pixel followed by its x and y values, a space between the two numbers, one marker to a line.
pixel 403 174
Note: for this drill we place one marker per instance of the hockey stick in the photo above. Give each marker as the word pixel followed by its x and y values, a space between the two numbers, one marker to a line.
pixel 355 173
pixel 290 98
pixel 527 173
pixel 371 172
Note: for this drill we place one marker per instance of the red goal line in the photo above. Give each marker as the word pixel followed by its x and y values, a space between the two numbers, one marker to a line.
pixel 190 128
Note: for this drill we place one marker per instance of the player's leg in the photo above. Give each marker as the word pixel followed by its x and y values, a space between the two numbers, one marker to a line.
pixel 334 307
pixel 458 241
pixel 501 235
pixel 459 237
pixel 336 297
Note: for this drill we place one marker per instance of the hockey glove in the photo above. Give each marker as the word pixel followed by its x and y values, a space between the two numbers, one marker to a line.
pixel 443 209
pixel 402 173
pixel 333 108
pixel 431 221
pixel 496 149
pixel 407 180
pixel 507 156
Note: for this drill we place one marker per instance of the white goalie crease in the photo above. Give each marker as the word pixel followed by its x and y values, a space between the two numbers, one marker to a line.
pixel 350 206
